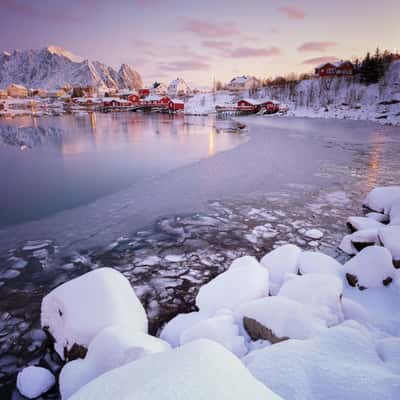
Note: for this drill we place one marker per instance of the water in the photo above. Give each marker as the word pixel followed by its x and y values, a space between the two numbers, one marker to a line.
pixel 290 176
pixel 95 155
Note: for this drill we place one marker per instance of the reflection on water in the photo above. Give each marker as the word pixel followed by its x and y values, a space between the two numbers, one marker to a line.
pixel 95 155
pixel 374 162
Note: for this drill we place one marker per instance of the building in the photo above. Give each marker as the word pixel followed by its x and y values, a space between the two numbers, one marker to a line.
pixel 17 91
pixel 156 101
pixel 144 93
pixel 176 105
pixel 243 83
pixel 159 88
pixel 115 102
pixel 3 94
pixel 179 88
pixel 255 105
pixel 339 68
pixel 134 98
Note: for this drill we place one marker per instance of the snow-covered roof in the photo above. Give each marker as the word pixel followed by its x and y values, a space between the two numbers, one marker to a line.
pixel 239 80
pixel 257 102
pixel 16 86
pixel 154 97
pixel 337 64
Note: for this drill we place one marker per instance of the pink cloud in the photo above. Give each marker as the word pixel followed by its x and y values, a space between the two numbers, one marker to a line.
pixel 187 65
pixel 218 45
pixel 292 12
pixel 316 46
pixel 255 52
pixel 320 60
pixel 210 29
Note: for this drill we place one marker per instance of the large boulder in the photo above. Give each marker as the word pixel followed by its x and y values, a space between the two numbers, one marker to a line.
pixel 197 371
pixel 279 262
pixel 245 280
pixel 320 293
pixel 312 262
pixel 111 348
pixel 340 363
pixel 390 238
pixel 381 199
pixel 372 267
pixel 280 318
pixel 75 312
pixel 360 223
pixel 352 244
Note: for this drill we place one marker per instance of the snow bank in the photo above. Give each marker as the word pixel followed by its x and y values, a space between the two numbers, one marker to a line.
pixel 370 268
pixel 111 348
pixel 340 363
pixel 311 262
pixel 221 329
pixel 205 103
pixel 34 381
pixel 284 317
pixel 197 371
pixel 75 312
pixel 320 293
pixel 279 262
pixel 381 198
pixel 245 280
pixel 389 351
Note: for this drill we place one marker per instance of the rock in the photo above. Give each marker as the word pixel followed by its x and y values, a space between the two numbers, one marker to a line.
pixel 361 223
pixel 381 199
pixel 369 268
pixel 34 381
pixel 75 312
pixel 390 238
pixel 311 262
pixel 352 244
pixel 258 331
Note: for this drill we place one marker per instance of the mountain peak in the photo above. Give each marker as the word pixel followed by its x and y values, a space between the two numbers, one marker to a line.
pixel 63 53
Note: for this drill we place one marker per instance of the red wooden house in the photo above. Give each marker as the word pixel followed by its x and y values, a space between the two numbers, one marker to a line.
pixel 345 68
pixel 340 68
pixel 256 105
pixel 326 69
pixel 134 98
pixel 176 105
pixel 144 93
pixel 115 102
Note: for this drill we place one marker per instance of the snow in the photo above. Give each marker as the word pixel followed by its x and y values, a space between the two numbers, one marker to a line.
pixel 196 371
pixel 221 329
pixel 34 381
pixel 320 293
pixel 371 266
pixel 394 213
pixel 173 329
pixel 76 311
pixel 310 262
pixel 285 317
pixel 360 223
pixel 365 236
pixel 389 351
pixel 245 280
pixel 340 363
pixel 111 348
pixel 314 234
pixel 381 198
pixel 205 103
pixel 390 238
pixel 279 262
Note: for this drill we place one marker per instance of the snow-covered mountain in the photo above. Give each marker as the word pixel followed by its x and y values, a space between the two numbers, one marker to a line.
pixel 53 67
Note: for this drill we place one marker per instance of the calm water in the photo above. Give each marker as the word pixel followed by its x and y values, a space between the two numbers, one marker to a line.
pixel 96 155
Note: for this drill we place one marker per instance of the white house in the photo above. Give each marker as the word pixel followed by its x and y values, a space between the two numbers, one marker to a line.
pixel 243 83
pixel 178 87
pixel 159 88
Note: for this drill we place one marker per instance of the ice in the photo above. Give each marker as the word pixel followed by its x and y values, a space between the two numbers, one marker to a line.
pixel 111 348
pixel 197 371
pixel 285 317
pixel 245 280
pixel 340 363
pixel 315 262
pixel 370 267
pixel 280 261
pixel 34 381
pixel 314 234
pixel 320 293
pixel 390 238
pixel 381 199
pixel 221 329
pixel 76 311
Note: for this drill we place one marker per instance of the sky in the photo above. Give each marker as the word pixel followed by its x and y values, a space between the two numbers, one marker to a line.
pixel 204 40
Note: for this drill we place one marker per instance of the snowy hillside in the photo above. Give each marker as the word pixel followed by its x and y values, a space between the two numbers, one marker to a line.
pixel 53 67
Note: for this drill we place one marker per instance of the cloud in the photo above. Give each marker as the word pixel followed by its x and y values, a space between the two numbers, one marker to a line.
pixel 209 29
pixel 187 65
pixel 320 60
pixel 255 52
pixel 217 44
pixel 316 46
pixel 292 12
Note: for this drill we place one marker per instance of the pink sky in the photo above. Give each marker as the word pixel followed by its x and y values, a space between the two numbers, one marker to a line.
pixel 200 41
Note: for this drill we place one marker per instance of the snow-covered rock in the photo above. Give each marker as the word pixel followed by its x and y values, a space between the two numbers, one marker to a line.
pixel 34 381
pixel 320 293
pixel 378 216
pixel 283 317
pixel 111 348
pixel 221 329
pixel 311 262
pixel 371 267
pixel 390 238
pixel 246 280
pixel 352 244
pixel 394 213
pixel 389 351
pixel 355 311
pixel 75 312
pixel 340 363
pixel 197 371
pixel 279 262
pixel 381 199
pixel 360 223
